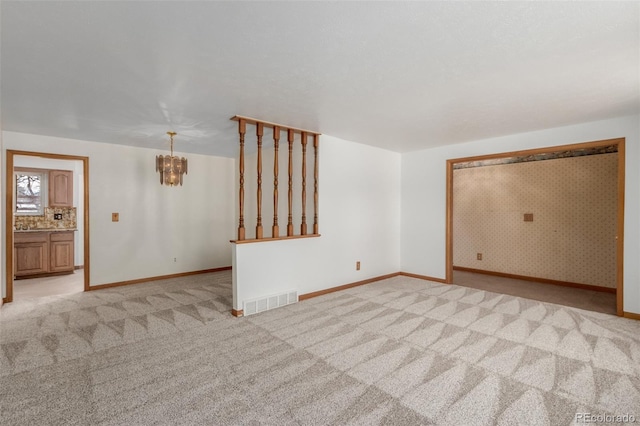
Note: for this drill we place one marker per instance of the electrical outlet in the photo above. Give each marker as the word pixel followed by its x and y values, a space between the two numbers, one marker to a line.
pixel 358 265
pixel 175 259
pixel 479 256
pixel 57 216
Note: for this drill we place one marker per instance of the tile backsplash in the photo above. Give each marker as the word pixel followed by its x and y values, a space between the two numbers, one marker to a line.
pixel 47 221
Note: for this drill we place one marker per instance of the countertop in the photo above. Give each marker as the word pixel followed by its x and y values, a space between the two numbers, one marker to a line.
pixel 45 230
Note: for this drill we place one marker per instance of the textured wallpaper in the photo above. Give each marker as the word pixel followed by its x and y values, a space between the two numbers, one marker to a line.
pixel 572 236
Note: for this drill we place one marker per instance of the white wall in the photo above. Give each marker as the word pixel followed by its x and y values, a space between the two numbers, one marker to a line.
pixel 424 194
pixel 78 193
pixel 192 223
pixel 359 220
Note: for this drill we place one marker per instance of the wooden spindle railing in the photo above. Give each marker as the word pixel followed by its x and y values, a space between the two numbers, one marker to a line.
pixel 303 225
pixel 275 229
pixel 290 136
pixel 315 184
pixel 241 129
pixel 259 132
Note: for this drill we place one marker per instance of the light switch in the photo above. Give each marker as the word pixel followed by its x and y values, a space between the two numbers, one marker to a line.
pixel 115 217
pixel 528 217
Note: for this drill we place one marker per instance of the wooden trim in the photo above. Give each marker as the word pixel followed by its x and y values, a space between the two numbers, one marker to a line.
pixel 546 150
pixel 237 312
pixel 46 155
pixel 538 280
pixel 262 240
pixel 86 246
pixel 78 267
pixel 9 265
pixel 424 277
pixel 346 286
pixel 241 131
pixel 620 231
pixel 159 277
pixel 620 214
pixel 449 225
pixel 9 213
pixel 631 315
pixel 269 124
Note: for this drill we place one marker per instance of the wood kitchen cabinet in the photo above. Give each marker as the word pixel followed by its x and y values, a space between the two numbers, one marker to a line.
pixel 31 256
pixel 42 253
pixel 60 188
pixel 60 251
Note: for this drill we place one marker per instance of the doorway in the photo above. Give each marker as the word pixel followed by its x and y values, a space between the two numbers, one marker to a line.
pixel 618 144
pixel 59 245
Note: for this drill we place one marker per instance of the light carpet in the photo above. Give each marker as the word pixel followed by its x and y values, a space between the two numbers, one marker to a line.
pixel 400 351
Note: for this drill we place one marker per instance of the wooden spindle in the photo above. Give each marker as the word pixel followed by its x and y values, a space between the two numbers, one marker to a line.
pixel 275 229
pixel 315 184
pixel 259 133
pixel 303 225
pixel 242 125
pixel 290 136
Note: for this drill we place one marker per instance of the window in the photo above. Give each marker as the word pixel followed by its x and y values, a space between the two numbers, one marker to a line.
pixel 30 192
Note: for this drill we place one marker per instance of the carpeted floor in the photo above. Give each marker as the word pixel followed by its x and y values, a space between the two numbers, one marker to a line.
pixel 399 351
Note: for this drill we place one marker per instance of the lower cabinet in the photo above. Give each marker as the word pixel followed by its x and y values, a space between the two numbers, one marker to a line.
pixel 39 253
pixel 31 255
pixel 61 251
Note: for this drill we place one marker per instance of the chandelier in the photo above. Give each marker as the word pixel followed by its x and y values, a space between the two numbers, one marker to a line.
pixel 171 168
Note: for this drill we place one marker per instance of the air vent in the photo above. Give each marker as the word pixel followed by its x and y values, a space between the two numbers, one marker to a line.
pixel 262 304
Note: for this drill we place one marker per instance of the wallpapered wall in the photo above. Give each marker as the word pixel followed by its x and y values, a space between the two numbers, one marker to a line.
pixel 572 236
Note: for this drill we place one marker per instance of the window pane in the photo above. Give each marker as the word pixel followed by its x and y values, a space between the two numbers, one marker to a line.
pixel 28 193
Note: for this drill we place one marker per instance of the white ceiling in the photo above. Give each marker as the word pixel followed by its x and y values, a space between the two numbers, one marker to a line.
pixel 398 75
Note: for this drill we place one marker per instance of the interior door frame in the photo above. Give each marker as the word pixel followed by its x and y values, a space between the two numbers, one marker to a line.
pixel 619 142
pixel 9 213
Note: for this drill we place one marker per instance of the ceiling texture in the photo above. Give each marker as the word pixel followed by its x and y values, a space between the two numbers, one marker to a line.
pixel 396 75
